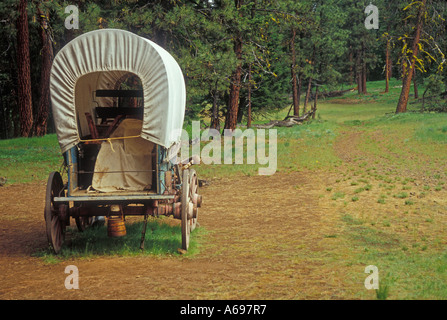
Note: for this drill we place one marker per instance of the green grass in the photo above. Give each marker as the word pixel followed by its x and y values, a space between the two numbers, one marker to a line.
pixel 405 271
pixel 161 239
pixel 382 292
pixel 401 195
pixel 353 109
pixel 305 147
pixel 338 195
pixel 432 130
pixel 403 278
pixel 24 160
pixel 350 220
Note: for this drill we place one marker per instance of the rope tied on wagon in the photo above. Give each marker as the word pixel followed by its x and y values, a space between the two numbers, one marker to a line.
pixel 109 140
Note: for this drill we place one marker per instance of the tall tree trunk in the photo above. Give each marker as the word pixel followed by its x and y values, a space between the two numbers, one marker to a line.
pixel 300 86
pixel 359 72
pixel 240 110
pixel 306 101
pixel 364 90
pixel 296 101
pixel 387 66
pixel 314 110
pixel 403 99
pixel 24 76
pixel 416 93
pixel 47 60
pixel 388 58
pixel 249 97
pixel 391 68
pixel 16 121
pixel 364 69
pixel 351 65
pixel 3 116
pixel 309 86
pixel 404 69
pixel 235 86
pixel 215 123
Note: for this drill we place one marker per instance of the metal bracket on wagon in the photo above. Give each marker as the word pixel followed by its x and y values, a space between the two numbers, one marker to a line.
pixel 195 159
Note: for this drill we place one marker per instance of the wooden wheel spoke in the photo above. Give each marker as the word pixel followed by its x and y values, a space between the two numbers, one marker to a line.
pixel 185 200
pixel 193 185
pixel 55 226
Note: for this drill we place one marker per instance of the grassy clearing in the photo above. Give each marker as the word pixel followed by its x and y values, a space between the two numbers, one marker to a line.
pixel 393 188
pixel 397 224
pixel 388 196
pixel 306 147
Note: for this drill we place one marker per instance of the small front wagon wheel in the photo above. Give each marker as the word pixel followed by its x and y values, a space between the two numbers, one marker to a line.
pixel 83 222
pixel 54 214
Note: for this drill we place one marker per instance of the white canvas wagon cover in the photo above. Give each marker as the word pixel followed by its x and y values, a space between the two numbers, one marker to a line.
pixel 96 61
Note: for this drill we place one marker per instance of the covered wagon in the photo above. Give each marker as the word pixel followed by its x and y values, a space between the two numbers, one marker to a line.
pixel 118 104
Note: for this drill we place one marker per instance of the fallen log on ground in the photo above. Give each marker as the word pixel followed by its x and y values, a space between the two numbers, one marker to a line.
pixel 289 121
pixel 430 98
pixel 332 94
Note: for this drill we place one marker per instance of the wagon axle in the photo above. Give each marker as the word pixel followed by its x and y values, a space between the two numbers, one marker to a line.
pixel 155 209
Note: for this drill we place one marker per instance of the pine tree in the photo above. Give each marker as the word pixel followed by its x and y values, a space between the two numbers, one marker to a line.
pixel 24 76
pixel 422 46
pixel 47 59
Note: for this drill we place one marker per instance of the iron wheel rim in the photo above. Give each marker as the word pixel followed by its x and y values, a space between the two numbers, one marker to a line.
pixel 55 226
pixel 186 227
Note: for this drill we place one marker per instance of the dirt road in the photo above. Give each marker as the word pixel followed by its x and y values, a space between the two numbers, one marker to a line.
pixel 265 241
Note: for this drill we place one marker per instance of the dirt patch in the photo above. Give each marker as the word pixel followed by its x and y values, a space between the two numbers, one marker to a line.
pixel 346 101
pixel 265 240
pixel 346 145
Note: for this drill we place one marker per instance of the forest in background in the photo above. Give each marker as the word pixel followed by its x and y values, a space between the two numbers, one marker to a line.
pixel 240 58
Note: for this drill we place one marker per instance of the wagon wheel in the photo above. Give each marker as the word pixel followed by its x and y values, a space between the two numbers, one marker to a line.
pixel 186 227
pixel 193 190
pixel 54 214
pixel 178 178
pixel 83 222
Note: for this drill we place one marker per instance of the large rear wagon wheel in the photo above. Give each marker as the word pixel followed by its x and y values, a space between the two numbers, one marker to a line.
pixel 186 227
pixel 193 193
pixel 54 214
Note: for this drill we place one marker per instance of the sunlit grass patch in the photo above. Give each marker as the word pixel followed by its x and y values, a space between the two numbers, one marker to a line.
pixel 401 195
pixel 162 238
pixel 338 195
pixel 400 275
pixel 305 147
pixel 29 159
